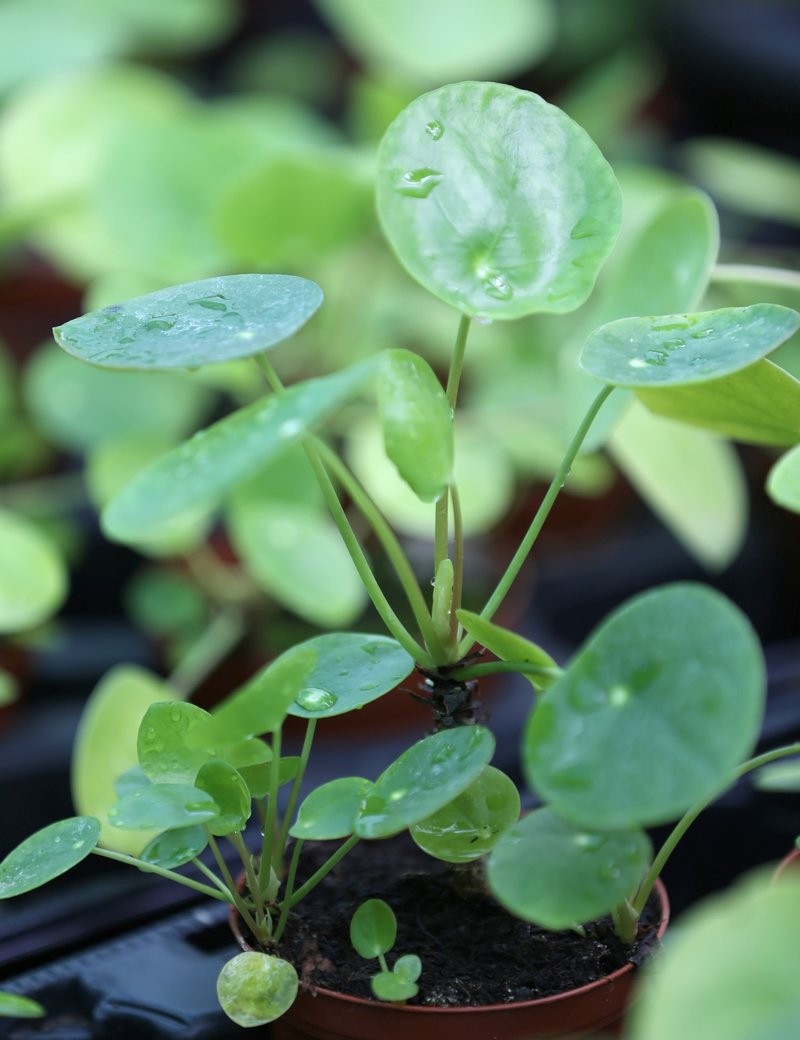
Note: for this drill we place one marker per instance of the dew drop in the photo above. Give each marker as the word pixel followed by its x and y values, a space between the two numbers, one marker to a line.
pixel 419 183
pixel 587 227
pixel 496 286
pixel 702 333
pixel 175 713
pixel 671 326
pixel 198 806
pixel 610 873
pixel 159 325
pixel 315 699
pixel 211 304
pixel 588 841
pixel 434 129
pixel 656 357
pixel 674 344
pixel 619 695
pixel 290 428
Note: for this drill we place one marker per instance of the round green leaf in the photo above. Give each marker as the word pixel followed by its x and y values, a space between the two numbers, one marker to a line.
pixel 9 688
pixel 203 469
pixel 330 810
pixel 783 482
pixel 496 201
pixel 48 853
pixel 33 578
pixel 106 746
pixel 468 827
pixel 677 349
pixel 259 778
pixel 652 715
pixel 423 779
pixel 547 871
pixel 389 986
pixel 12 1005
pixel 174 848
pixel 91 405
pixel 731 969
pixel 352 669
pixel 408 967
pixel 163 807
pixel 223 784
pixel 256 988
pixel 417 423
pixel 185 326
pixel 373 928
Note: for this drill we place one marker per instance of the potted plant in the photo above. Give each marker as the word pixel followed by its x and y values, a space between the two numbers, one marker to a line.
pixel 501 206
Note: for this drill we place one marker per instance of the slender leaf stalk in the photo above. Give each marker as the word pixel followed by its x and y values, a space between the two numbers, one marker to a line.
pixel 458 563
pixel 291 876
pixel 441 528
pixel 219 638
pixel 235 895
pixel 209 873
pixel 294 794
pixel 323 871
pixel 171 875
pixel 476 671
pixel 268 848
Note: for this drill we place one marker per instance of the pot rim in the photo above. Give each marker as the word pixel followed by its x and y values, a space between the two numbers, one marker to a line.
pixel 416 1009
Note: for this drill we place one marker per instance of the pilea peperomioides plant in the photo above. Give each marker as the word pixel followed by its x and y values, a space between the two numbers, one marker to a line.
pixel 502 207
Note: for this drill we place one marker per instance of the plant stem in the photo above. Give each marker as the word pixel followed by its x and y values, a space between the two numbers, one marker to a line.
pixel 458 563
pixel 389 542
pixel 441 530
pixel 475 671
pixel 209 873
pixel 323 871
pixel 235 896
pixel 368 579
pixel 171 875
pixel 542 513
pixel 224 632
pixel 685 822
pixel 305 753
pixel 43 496
pixel 268 847
pixel 289 890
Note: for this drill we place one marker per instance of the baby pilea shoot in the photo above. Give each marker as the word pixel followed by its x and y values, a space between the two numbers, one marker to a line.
pixel 373 932
pixel 502 207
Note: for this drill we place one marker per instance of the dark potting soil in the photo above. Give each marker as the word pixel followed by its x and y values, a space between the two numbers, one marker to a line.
pixel 472 951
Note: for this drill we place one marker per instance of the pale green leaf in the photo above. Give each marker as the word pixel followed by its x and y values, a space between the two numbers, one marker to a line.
pixel 33 578
pixel 256 988
pixel 373 928
pixel 163 807
pixel 783 482
pixel 330 810
pixel 12 1005
pixel 174 848
pixel 48 853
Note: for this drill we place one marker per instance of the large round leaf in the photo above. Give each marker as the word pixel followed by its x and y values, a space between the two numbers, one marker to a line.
pixel 653 714
pixel 202 470
pixel 256 988
pixel 676 349
pixel 423 779
pixel 496 201
pixel 185 326
pixel 352 669
pixel 47 854
pixel 330 810
pixel 105 746
pixel 33 578
pixel 547 871
pixel 163 807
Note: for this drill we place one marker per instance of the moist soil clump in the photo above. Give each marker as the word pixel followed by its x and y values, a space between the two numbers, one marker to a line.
pixel 472 951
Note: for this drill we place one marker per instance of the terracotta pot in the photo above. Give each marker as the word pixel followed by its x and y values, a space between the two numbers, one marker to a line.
pixel 327 1015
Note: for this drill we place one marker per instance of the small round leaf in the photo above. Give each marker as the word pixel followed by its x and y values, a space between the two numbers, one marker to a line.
pixel 496 201
pixel 33 578
pixel 256 988
pixel 373 928
pixel 408 967
pixel 389 986
pixel 12 1005
pixel 223 784
pixel 45 855
pixel 185 326
pixel 330 810
pixel 547 871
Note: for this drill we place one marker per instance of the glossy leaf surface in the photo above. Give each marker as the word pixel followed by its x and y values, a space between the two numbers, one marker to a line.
pixel 508 646
pixel 174 848
pixel 653 714
pixel 680 349
pixel 12 1005
pixel 468 827
pixel 223 784
pixel 163 807
pixel 393 987
pixel 423 779
pixel 105 747
pixel 760 405
pixel 352 669
pixel 496 201
pixel 199 323
pixel 783 482
pixel 33 578
pixel 256 988
pixel 417 423
pixel 547 871
pixel 202 470
pixel 45 855
pixel 373 928
pixel 330 810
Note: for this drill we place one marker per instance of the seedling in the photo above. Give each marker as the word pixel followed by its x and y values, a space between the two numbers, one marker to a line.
pixel 373 932
pixel 502 207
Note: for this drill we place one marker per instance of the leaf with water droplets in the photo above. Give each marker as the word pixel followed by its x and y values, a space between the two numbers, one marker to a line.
pixel 226 787
pixel 163 807
pixel 424 779
pixel 783 482
pixel 679 349
pixel 759 405
pixel 201 471
pixel 45 855
pixel 510 210
pixel 547 871
pixel 200 323
pixel 174 848
pixel 330 810
pixel 255 988
pixel 352 669
pixel 469 826
pixel 652 715
pixel 33 578
pixel 417 423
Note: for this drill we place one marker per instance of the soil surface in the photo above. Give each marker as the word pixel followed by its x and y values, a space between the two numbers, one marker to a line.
pixel 472 951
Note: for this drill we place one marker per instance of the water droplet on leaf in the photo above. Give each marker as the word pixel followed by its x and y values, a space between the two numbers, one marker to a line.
pixel 315 699
pixel 434 129
pixel 497 286
pixel 587 227
pixel 419 183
